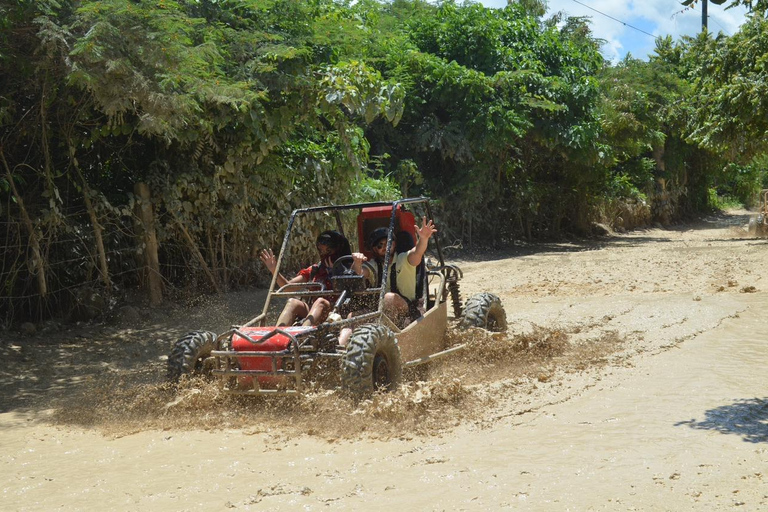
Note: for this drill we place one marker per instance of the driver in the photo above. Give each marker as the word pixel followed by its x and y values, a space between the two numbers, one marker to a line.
pixel 331 245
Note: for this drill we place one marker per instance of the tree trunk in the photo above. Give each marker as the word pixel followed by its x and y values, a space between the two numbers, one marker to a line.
pixel 47 160
pixel 97 229
pixel 224 262
pixel 470 231
pixel 37 256
pixel 196 252
pixel 211 249
pixel 151 259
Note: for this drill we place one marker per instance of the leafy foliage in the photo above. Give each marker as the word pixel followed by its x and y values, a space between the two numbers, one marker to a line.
pixel 235 112
pixel 492 92
pixel 731 106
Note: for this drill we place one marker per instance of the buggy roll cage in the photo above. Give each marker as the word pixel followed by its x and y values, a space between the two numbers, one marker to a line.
pixel 337 209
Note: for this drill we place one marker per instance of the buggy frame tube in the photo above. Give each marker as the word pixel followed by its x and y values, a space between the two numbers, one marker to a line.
pixel 439 249
pixel 388 256
pixel 336 209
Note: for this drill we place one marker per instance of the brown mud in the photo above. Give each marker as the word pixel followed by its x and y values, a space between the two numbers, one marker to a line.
pixel 543 417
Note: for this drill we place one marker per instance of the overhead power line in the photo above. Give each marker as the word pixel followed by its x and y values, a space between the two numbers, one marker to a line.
pixel 719 25
pixel 615 19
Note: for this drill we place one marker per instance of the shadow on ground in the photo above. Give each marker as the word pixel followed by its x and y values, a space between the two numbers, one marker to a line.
pixel 636 238
pixel 60 362
pixel 747 417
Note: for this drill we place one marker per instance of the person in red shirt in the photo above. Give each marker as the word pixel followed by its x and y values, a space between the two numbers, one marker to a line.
pixel 331 245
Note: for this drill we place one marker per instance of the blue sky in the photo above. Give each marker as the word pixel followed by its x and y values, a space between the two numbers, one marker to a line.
pixel 657 17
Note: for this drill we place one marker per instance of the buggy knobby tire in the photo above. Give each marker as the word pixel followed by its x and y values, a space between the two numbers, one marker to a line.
pixel 188 354
pixel 372 361
pixel 484 310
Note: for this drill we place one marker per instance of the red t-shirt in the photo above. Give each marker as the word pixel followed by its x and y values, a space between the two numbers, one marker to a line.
pixel 321 275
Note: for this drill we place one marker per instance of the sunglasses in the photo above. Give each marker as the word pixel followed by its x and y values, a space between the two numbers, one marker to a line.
pixel 380 245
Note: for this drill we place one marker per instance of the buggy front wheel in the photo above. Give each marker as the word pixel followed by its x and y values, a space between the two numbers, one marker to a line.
pixel 372 361
pixel 188 354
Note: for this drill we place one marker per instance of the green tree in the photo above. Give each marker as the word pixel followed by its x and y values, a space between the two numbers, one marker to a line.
pixel 234 111
pixel 731 103
pixel 499 116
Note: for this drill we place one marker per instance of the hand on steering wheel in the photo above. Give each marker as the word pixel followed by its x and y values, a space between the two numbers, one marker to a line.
pixel 343 266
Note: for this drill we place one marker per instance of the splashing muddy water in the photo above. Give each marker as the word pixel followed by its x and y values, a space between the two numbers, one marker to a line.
pixel 430 401
pixel 633 378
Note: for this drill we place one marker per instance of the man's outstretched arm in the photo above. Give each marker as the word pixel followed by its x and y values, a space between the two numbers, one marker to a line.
pixel 424 233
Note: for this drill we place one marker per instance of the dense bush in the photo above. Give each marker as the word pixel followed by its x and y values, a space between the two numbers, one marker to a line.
pixel 235 112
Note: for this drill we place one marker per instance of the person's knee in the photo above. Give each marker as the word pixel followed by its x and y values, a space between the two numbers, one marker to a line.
pixel 395 300
pixel 296 307
pixel 395 307
pixel 292 310
pixel 294 303
pixel 392 299
pixel 321 307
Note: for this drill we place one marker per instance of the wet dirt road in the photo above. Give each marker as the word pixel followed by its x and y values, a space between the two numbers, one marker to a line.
pixel 675 417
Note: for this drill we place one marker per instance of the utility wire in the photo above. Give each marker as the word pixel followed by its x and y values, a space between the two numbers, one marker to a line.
pixel 615 19
pixel 719 25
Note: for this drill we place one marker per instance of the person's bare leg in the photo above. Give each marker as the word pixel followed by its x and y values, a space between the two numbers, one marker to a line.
pixel 293 309
pixel 318 313
pixel 344 336
pixel 346 332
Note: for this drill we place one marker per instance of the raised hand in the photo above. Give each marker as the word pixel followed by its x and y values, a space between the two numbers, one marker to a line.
pixel 426 230
pixel 269 260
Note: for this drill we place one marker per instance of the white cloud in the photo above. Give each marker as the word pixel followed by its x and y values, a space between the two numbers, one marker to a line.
pixel 657 17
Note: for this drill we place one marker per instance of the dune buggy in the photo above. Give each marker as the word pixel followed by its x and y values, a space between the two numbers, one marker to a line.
pixel 758 225
pixel 255 358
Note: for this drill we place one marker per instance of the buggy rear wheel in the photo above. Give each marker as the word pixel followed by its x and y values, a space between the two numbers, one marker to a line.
pixel 188 354
pixel 372 361
pixel 484 310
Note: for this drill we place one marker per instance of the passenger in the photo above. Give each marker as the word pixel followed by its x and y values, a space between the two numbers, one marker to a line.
pixel 377 243
pixel 331 245
pixel 400 301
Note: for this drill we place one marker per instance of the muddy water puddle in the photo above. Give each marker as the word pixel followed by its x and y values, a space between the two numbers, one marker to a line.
pixel 681 430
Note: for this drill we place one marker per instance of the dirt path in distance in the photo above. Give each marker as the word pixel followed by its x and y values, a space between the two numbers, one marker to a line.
pixel 633 378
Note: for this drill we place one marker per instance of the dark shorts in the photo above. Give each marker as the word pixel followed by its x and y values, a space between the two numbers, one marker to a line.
pixel 413 309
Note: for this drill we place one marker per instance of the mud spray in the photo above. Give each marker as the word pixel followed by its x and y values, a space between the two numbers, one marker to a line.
pixel 430 400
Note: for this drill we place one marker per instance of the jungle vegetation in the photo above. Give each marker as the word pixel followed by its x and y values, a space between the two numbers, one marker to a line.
pixel 192 128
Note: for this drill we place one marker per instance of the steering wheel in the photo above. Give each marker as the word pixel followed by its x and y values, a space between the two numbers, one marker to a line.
pixel 343 266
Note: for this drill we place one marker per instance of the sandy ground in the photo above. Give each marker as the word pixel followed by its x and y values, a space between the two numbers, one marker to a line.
pixel 633 377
